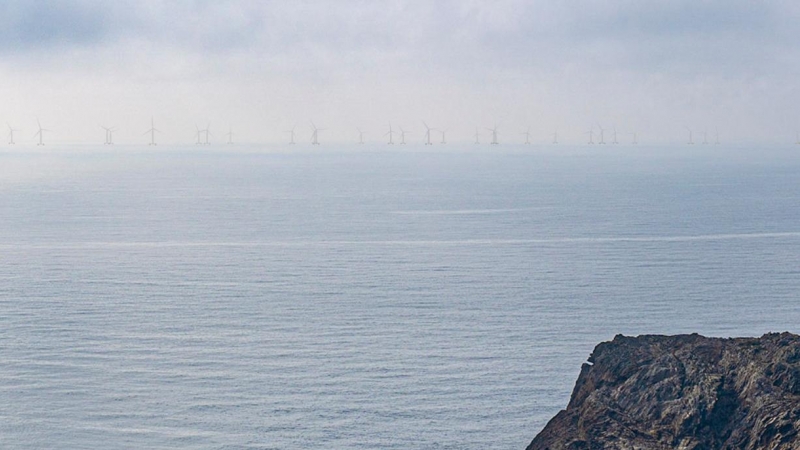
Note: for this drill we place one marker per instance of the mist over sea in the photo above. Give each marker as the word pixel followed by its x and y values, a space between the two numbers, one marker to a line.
pixel 246 297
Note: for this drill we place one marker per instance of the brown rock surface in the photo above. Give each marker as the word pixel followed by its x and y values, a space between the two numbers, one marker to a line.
pixel 683 392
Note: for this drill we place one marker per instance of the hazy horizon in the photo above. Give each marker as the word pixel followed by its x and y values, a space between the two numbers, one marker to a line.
pixel 260 68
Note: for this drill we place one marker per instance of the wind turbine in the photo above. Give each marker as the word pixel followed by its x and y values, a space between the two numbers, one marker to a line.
pixel 635 139
pixel 109 140
pixel 477 136
pixel 315 134
pixel 444 140
pixel 494 135
pixel 591 135
pixel 11 134
pixel 391 135
pixel 427 134
pixel 615 136
pixel 152 131
pixel 602 134
pixel 208 133
pixel 797 142
pixel 40 133
pixel 555 137
pixel 403 136
pixel 199 132
pixel 230 135
pixel 691 142
pixel 360 136
pixel 527 135
pixel 291 133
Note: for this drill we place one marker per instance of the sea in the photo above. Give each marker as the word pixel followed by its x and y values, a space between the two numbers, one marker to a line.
pixel 365 297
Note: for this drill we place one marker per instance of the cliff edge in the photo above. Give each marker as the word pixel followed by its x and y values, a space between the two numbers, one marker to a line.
pixel 683 392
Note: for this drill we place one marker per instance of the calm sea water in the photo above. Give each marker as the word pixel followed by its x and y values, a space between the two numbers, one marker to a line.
pixel 257 298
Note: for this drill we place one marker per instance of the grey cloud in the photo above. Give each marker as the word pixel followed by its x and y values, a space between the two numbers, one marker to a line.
pixel 444 34
pixel 471 42
pixel 51 23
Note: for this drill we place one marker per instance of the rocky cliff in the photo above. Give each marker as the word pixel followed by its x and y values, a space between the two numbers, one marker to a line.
pixel 683 392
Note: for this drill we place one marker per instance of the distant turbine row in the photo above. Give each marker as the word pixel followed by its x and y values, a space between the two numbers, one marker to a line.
pixel 203 135
pixel 705 137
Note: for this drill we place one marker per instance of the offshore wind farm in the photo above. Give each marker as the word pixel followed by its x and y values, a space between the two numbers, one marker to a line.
pixel 202 136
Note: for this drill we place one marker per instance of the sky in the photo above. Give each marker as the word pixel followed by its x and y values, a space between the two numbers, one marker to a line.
pixel 261 67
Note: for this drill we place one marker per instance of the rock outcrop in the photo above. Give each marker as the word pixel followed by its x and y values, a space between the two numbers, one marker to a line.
pixel 683 392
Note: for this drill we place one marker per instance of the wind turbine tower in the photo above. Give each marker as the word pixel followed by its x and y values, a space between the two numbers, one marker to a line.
pixel 109 137
pixel 230 135
pixel 527 135
pixel 555 137
pixel 152 131
pixel 716 140
pixel 199 132
pixel 635 139
pixel 602 134
pixel 591 135
pixel 11 134
pixel 494 135
pixel 208 133
pixel 391 135
pixel 477 137
pixel 444 137
pixel 291 134
pixel 360 136
pixel 427 134
pixel 691 141
pixel 40 133
pixel 315 134
pixel 615 136
pixel 403 136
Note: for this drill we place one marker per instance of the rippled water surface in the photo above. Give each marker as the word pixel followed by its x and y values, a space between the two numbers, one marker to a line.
pixel 255 297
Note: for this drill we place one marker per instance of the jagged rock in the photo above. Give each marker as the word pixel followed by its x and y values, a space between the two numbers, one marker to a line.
pixel 683 392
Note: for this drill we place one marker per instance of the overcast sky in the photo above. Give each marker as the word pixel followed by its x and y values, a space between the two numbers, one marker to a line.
pixel 655 67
